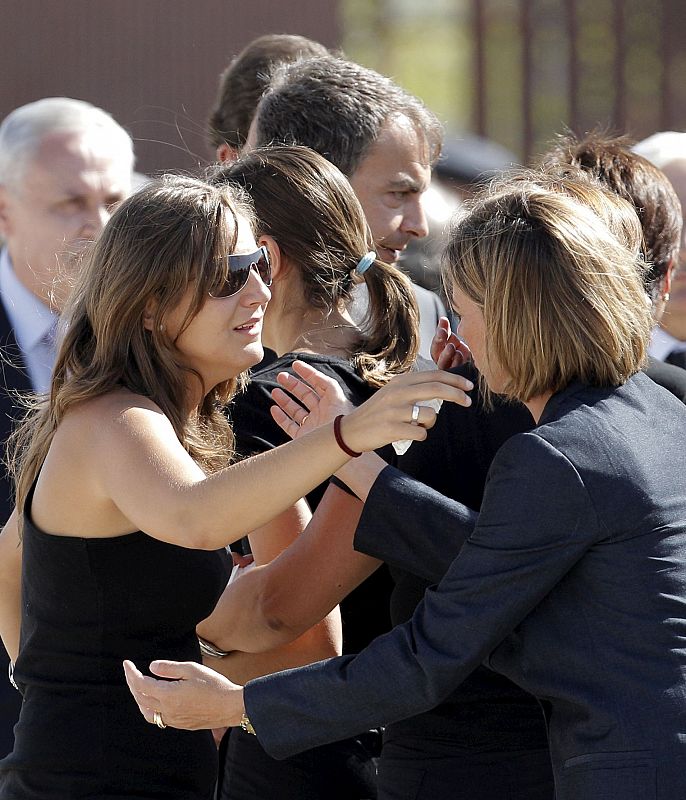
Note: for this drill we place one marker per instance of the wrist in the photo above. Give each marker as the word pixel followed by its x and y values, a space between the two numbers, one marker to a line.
pixel 341 439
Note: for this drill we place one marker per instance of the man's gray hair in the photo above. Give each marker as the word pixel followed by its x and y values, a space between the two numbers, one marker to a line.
pixel 663 148
pixel 24 128
pixel 338 108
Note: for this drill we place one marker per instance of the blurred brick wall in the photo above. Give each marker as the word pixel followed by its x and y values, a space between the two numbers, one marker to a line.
pixel 153 64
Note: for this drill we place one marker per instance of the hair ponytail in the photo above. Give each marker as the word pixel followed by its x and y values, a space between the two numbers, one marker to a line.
pixel 310 209
pixel 391 326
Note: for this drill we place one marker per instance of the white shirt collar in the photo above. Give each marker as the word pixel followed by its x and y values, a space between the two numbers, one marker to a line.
pixel 30 318
pixel 663 343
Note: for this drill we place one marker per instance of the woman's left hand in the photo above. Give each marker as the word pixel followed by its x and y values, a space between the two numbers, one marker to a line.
pixel 191 697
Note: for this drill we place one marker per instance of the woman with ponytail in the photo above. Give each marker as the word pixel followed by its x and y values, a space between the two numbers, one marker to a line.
pixel 320 248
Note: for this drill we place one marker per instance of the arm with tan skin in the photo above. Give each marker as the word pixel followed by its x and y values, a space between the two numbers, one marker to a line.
pixel 156 485
pixel 273 604
pixel 322 640
pixel 10 586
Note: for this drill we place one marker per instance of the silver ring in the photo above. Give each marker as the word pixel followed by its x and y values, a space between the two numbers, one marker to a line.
pixel 304 420
pixel 157 719
pixel 415 415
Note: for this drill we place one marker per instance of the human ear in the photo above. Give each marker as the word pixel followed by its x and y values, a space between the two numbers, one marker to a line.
pixel 227 154
pixel 149 313
pixel 5 226
pixel 276 258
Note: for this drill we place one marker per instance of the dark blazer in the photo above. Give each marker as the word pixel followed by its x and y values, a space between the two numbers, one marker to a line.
pixel 571 581
pixel 13 378
pixel 668 375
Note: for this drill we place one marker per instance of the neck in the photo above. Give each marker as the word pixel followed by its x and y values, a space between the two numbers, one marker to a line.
pixel 295 327
pixel 43 289
pixel 537 404
pixel 675 325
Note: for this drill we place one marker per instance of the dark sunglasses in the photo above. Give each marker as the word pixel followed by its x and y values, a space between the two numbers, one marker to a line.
pixel 239 272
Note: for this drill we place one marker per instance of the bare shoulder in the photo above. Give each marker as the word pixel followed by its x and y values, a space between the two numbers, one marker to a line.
pixel 115 414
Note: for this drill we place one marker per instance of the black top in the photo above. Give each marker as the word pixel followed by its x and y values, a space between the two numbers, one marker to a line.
pixel 87 605
pixel 365 611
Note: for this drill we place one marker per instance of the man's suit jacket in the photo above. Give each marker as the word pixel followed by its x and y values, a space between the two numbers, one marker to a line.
pixel 571 581
pixel 668 375
pixel 13 378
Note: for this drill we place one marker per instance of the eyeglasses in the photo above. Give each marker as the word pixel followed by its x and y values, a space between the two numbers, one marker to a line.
pixel 239 272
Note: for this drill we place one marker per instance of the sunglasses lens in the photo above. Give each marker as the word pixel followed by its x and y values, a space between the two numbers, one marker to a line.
pixel 239 272
pixel 263 266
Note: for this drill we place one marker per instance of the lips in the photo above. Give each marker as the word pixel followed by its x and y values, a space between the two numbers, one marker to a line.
pixel 253 325
pixel 389 254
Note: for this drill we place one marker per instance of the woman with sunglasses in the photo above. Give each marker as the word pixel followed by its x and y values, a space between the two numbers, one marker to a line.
pixel 320 248
pixel 571 579
pixel 125 495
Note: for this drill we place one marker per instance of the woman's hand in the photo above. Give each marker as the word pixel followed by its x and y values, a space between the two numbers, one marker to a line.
pixel 390 415
pixel 447 350
pixel 196 697
pixel 321 395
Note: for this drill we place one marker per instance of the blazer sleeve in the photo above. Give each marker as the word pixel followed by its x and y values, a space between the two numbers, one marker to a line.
pixel 536 522
pixel 411 526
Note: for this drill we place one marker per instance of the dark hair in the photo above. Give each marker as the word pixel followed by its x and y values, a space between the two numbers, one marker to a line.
pixel 338 108
pixel 242 83
pixel 310 209
pixel 610 160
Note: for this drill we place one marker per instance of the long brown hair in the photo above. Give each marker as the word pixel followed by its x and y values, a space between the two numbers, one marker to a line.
pixel 308 206
pixel 172 234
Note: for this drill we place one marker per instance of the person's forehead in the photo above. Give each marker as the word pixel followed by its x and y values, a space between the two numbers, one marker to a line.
pixel 400 154
pixel 78 162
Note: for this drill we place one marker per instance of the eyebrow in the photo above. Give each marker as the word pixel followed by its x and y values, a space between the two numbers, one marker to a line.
pixel 405 184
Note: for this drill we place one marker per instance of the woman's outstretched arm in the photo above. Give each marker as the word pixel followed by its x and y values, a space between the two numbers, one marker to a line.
pixel 157 486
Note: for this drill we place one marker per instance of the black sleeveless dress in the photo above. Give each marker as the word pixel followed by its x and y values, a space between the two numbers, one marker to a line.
pixel 87 604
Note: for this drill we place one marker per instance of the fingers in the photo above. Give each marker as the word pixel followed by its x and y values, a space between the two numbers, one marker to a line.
pixel 176 670
pixel 282 419
pixel 440 339
pixel 241 561
pixel 446 359
pixel 317 380
pixel 424 416
pixel 147 703
pixel 307 396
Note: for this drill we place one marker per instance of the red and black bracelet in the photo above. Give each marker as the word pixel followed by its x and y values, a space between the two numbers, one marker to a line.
pixel 339 438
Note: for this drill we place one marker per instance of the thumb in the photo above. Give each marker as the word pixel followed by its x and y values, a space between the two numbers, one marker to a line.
pixel 177 670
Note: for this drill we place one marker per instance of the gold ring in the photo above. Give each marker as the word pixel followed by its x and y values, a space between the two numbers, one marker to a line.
pixel 415 415
pixel 304 419
pixel 157 719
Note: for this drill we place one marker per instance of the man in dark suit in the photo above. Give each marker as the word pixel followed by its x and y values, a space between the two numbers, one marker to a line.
pixel 63 164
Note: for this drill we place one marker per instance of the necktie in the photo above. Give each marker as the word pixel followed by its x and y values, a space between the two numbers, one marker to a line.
pixel 677 357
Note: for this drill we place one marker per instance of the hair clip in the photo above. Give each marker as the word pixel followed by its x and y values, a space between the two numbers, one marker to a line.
pixel 363 265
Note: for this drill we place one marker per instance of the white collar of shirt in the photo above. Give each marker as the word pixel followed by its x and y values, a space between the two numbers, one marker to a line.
pixel 30 318
pixel 663 343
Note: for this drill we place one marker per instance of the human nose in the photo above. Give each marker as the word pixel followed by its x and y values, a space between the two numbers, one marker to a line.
pixel 96 219
pixel 256 291
pixel 414 219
